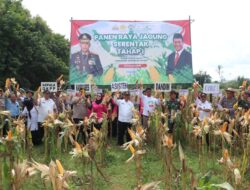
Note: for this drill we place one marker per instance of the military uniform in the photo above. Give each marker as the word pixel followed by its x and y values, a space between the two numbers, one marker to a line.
pixel 87 63
pixel 244 104
pixel 172 106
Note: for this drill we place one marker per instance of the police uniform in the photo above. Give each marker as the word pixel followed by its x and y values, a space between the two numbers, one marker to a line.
pixel 87 63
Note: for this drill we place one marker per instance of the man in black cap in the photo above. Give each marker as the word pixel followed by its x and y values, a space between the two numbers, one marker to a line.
pixel 46 106
pixel 203 105
pixel 85 61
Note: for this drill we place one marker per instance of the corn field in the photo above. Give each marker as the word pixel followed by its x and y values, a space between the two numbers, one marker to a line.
pixel 209 154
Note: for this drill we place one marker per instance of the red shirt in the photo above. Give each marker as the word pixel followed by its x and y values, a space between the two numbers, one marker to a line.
pixel 99 109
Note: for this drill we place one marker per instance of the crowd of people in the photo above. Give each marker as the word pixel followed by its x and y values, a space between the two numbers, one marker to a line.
pixel 118 107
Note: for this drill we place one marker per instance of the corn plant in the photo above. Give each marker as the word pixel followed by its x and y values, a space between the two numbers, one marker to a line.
pixel 136 148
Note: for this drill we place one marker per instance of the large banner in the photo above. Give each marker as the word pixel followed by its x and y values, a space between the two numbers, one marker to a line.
pixel 111 51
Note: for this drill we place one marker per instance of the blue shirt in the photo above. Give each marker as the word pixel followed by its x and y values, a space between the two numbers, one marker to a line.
pixel 12 107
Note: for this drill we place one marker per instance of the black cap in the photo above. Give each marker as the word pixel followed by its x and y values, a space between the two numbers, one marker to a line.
pixel 126 93
pixel 203 94
pixel 29 91
pixel 173 92
pixel 178 36
pixel 46 91
pixel 85 36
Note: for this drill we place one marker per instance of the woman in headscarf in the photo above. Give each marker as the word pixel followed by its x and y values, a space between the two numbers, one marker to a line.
pixel 31 112
pixel 99 108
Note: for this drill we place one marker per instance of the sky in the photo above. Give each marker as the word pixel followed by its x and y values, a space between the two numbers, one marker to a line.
pixel 220 31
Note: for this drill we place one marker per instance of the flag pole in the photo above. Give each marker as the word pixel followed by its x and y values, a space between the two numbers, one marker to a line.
pixel 190 21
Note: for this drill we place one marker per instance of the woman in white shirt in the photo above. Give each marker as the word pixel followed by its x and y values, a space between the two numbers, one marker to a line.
pixel 31 112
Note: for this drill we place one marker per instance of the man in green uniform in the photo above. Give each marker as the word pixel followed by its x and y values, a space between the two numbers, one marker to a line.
pixel 172 105
pixel 244 102
pixel 85 61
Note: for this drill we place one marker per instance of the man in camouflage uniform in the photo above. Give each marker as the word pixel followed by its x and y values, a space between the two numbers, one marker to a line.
pixel 244 101
pixel 172 106
pixel 85 61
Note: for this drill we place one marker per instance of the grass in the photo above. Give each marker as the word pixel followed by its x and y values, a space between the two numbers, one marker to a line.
pixel 122 175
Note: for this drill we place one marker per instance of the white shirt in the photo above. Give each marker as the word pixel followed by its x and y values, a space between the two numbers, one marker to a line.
pixel 205 105
pixel 149 104
pixel 179 52
pixel 125 110
pixel 45 107
pixel 31 122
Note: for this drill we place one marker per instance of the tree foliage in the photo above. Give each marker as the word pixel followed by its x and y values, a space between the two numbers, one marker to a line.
pixel 29 50
pixel 235 83
pixel 202 77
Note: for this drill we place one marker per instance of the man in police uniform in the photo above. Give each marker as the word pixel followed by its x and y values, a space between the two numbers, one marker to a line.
pixel 85 61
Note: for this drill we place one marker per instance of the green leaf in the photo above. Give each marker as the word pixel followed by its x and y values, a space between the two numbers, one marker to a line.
pixel 224 185
pixel 204 180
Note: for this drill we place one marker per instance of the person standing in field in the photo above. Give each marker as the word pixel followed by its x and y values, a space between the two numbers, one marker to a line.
pixel 12 105
pixel 99 108
pixel 244 100
pixel 172 106
pixel 227 102
pixel 149 105
pixel 31 113
pixel 46 106
pixel 80 105
pixel 203 105
pixel 125 115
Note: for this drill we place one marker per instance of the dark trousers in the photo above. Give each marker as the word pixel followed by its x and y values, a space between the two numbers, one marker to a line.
pixel 122 129
pixel 81 134
pixel 98 126
pixel 171 126
pixel 40 133
pixel 36 140
pixel 113 128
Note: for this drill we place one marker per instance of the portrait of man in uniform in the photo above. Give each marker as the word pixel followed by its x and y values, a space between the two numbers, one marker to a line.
pixel 84 61
pixel 179 58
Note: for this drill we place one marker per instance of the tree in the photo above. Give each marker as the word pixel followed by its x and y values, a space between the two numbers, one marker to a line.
pixel 29 50
pixel 235 83
pixel 202 77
